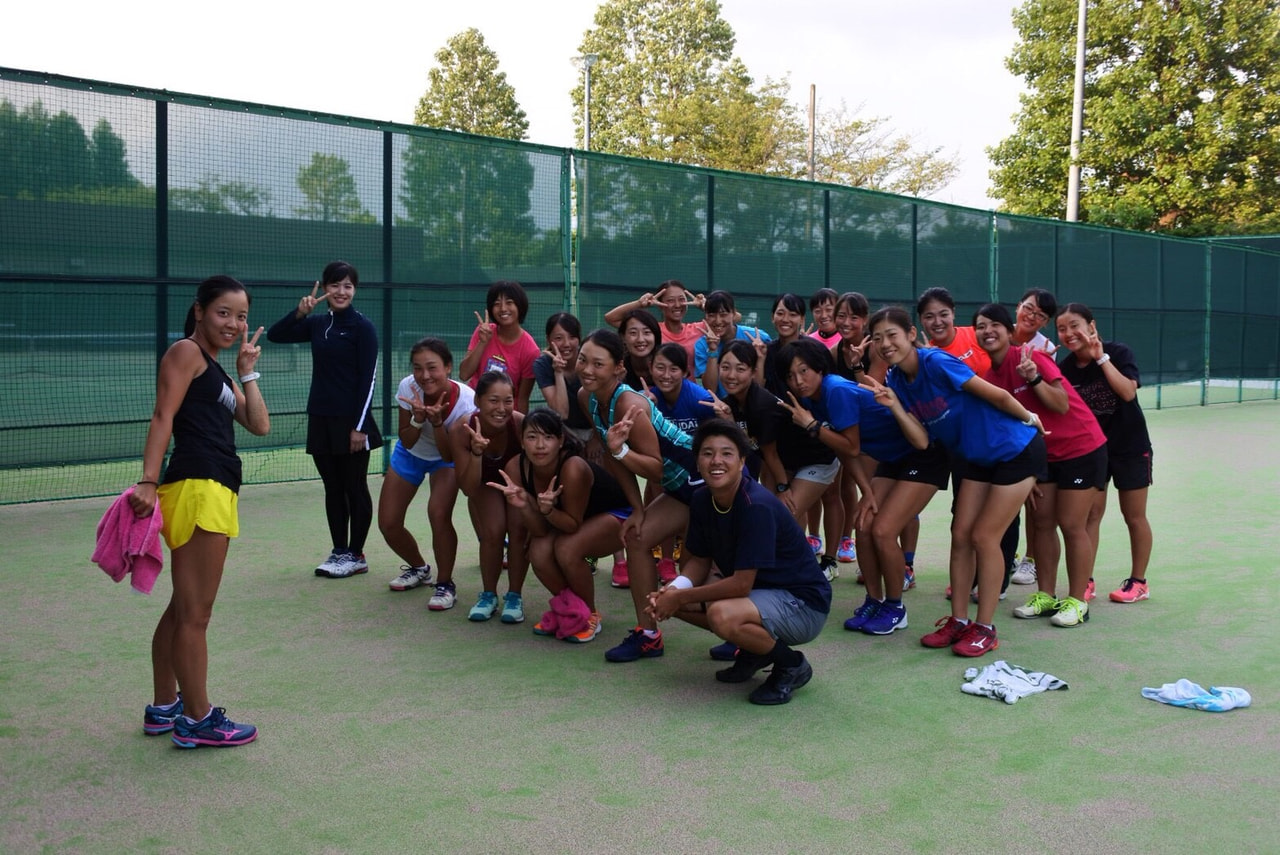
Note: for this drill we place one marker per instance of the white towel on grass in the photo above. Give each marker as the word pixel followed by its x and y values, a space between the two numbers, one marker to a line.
pixel 1185 693
pixel 1008 683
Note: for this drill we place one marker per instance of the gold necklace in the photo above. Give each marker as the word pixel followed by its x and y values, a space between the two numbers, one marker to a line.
pixel 717 507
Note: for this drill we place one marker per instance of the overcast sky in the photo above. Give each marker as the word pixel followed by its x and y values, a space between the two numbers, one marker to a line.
pixel 935 68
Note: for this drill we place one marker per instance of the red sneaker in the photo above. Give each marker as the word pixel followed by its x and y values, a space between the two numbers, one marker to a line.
pixel 667 571
pixel 621 578
pixel 976 640
pixel 949 634
pixel 1091 591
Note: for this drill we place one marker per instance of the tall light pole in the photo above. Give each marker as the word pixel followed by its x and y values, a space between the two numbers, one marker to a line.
pixel 584 63
pixel 1077 119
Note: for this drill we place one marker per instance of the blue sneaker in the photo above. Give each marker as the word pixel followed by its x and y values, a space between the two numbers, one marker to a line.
pixel 214 729
pixel 864 613
pixel 635 646
pixel 157 721
pixel 726 652
pixel 847 553
pixel 909 578
pixel 484 607
pixel 512 608
pixel 886 619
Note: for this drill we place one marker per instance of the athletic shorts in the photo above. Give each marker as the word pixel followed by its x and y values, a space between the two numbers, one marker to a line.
pixel 1086 472
pixel 197 502
pixel 930 466
pixel 684 493
pixel 414 469
pixel 821 473
pixel 785 616
pixel 1132 472
pixel 1031 462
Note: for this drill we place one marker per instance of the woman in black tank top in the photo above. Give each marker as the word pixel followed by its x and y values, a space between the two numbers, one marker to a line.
pixel 195 404
pixel 572 509
pixel 482 446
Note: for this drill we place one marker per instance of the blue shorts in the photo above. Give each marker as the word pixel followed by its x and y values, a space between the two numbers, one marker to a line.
pixel 785 616
pixel 414 469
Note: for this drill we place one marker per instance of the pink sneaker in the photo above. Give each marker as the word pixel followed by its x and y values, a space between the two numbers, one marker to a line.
pixel 620 577
pixel 1091 591
pixel 667 571
pixel 1130 591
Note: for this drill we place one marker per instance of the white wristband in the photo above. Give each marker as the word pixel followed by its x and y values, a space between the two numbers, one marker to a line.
pixel 1103 359
pixel 681 583
pixel 414 423
pixel 625 450
pixel 250 377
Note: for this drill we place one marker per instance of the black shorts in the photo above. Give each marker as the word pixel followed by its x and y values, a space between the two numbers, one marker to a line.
pixel 930 466
pixel 1031 462
pixel 684 493
pixel 1086 472
pixel 1132 472
pixel 332 434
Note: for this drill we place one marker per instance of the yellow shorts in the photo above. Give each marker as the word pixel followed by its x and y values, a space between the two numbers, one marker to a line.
pixel 194 502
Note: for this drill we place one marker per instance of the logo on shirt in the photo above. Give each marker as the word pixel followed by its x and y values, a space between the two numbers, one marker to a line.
pixel 496 363
pixel 227 398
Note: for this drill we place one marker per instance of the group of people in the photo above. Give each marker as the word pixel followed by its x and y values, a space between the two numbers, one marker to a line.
pixel 845 428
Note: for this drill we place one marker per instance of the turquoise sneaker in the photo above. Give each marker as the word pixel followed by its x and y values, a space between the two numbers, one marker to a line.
pixel 484 607
pixel 512 608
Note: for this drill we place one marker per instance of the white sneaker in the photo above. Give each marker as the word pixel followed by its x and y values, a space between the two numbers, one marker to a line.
pixel 347 565
pixel 1024 572
pixel 411 577
pixel 329 564
pixel 445 597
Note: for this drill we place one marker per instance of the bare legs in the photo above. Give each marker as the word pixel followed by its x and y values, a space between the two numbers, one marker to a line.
pixel 179 651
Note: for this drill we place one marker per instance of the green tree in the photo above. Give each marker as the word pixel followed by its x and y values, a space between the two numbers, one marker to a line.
pixel 43 156
pixel 467 92
pixel 1182 102
pixel 331 191
pixel 864 152
pixel 110 166
pixel 211 195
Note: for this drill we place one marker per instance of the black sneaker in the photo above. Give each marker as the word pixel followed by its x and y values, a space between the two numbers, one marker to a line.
pixel 781 684
pixel 726 652
pixel 744 667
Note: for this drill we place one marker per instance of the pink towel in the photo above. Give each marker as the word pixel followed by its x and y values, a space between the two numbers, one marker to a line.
pixel 129 544
pixel 569 615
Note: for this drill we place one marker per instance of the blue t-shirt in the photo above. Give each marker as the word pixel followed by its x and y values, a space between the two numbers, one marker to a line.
pixel 688 411
pixel 700 353
pixel 844 403
pixel 758 533
pixel 965 424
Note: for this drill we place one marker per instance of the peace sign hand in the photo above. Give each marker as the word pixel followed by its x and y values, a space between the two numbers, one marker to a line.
pixel 547 498
pixel 1027 368
pixel 249 351
pixel 808 330
pixel 1094 346
pixel 620 431
pixel 853 353
pixel 885 396
pixel 647 300
pixel 558 363
pixel 719 407
pixel 713 340
pixel 484 329
pixel 696 300
pixel 416 407
pixel 758 342
pixel 799 414
pixel 515 494
pixel 435 413
pixel 646 389
pixel 309 302
pixel 479 442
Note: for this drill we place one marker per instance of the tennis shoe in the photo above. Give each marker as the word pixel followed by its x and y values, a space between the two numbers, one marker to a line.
pixel 830 569
pixel 667 571
pixel 411 577
pixel 744 667
pixel 484 607
pixel 1024 572
pixel 948 633
pixel 1090 590
pixel 862 614
pixel 1071 612
pixel 347 565
pixel 726 652
pixel 620 578
pixel 848 552
pixel 214 729
pixel 815 543
pixel 1040 604
pixel 782 684
pixel 976 640
pixel 635 646
pixel 445 596
pixel 157 721
pixel 908 578
pixel 512 608
pixel 886 619
pixel 1131 590
pixel 330 564
pixel 589 634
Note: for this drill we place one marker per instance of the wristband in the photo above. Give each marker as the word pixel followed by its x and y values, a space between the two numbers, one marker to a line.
pixel 152 483
pixel 250 377
pixel 1103 359
pixel 414 423
pixel 1031 420
pixel 1035 381
pixel 623 452
pixel 681 583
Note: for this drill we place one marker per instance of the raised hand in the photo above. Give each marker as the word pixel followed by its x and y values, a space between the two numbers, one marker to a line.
pixel 558 364
pixel 645 388
pixel 1094 345
pixel 697 300
pixel 249 351
pixel 620 431
pixel 416 406
pixel 808 330
pixel 713 341
pixel 885 396
pixel 484 329
pixel 799 414
pixel 647 300
pixel 514 493
pixel 853 353
pixel 758 342
pixel 309 302
pixel 719 407
pixel 547 498
pixel 1027 368
pixel 436 412
pixel 479 442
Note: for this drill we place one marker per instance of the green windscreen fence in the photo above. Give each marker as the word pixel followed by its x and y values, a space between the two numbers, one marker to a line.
pixel 116 201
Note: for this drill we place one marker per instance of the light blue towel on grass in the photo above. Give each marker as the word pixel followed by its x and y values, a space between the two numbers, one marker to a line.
pixel 1185 693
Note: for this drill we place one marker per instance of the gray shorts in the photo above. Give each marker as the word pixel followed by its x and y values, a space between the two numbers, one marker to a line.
pixel 786 616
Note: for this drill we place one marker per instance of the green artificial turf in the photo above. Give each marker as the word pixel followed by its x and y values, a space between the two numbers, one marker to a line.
pixel 385 727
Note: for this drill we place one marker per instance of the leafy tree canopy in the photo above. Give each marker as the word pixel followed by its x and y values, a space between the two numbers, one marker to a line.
pixel 330 190
pixel 467 92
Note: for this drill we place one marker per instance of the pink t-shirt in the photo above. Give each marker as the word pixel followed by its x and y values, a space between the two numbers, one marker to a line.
pixel 687 337
pixel 515 359
pixel 1068 435
pixel 828 341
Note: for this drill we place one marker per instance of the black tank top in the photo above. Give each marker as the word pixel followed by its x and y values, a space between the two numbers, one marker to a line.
pixel 204 442
pixel 606 493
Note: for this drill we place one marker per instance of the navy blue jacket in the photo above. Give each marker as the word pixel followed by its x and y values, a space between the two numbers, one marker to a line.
pixel 344 361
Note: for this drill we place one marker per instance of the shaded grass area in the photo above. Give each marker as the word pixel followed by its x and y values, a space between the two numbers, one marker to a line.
pixel 385 726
